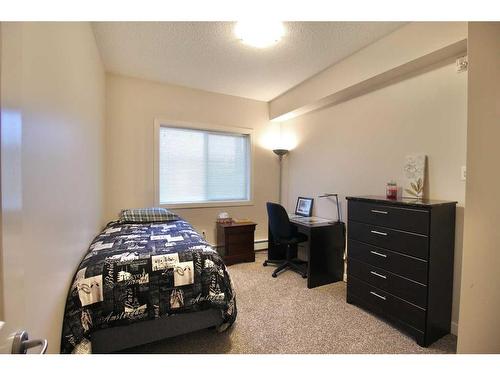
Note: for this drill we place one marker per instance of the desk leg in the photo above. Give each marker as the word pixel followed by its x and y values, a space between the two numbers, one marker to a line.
pixel 326 250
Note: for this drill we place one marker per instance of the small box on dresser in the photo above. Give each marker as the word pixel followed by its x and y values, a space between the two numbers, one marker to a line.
pixel 235 242
pixel 400 256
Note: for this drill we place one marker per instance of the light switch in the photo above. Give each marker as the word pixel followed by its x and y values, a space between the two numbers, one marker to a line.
pixel 463 173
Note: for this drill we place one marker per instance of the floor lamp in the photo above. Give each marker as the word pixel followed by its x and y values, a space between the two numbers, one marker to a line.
pixel 280 152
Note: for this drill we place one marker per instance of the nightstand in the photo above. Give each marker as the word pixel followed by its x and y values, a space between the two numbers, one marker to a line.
pixel 235 242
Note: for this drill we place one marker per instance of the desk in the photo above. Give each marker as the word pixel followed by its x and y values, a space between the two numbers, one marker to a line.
pixel 324 249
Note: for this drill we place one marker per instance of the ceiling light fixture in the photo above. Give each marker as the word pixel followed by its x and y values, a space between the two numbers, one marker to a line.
pixel 260 34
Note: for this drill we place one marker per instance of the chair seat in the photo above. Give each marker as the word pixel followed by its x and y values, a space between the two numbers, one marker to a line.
pixel 297 238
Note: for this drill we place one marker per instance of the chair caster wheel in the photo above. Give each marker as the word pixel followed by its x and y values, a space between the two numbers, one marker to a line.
pixel 265 263
pixel 304 276
pixel 274 275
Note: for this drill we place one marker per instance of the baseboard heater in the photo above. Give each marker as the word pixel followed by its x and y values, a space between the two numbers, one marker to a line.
pixel 260 245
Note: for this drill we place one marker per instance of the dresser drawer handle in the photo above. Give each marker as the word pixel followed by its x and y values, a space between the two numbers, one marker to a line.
pixel 380 212
pixel 379 254
pixel 379 233
pixel 379 275
pixel 378 295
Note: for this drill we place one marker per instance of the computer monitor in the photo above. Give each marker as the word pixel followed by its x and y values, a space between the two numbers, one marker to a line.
pixel 304 206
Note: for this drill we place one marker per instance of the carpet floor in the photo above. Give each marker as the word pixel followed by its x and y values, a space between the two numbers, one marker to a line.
pixel 280 315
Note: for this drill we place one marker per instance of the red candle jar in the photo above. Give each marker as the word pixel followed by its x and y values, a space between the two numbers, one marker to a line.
pixel 391 191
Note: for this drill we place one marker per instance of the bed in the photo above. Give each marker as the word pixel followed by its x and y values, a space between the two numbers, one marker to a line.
pixel 145 281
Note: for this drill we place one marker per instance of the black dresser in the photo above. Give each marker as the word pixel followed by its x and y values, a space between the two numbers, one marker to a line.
pixel 400 262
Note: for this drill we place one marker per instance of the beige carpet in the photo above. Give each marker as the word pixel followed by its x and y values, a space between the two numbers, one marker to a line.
pixel 282 316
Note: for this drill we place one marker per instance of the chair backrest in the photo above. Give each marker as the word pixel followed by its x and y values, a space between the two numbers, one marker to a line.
pixel 278 222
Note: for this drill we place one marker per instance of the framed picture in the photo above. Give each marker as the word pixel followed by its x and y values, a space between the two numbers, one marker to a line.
pixel 414 170
pixel 304 206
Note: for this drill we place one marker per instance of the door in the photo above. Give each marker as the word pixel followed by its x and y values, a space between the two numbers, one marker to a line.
pixel 12 339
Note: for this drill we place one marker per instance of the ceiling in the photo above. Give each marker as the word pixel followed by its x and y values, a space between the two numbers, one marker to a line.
pixel 208 56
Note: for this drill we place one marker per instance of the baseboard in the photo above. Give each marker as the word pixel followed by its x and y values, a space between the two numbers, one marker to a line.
pixel 260 245
pixel 454 328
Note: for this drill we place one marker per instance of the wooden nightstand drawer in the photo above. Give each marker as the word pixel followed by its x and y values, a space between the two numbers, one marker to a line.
pixel 235 242
pixel 244 238
pixel 236 229
pixel 239 248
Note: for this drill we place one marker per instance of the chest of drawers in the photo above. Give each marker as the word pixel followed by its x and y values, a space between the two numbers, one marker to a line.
pixel 400 262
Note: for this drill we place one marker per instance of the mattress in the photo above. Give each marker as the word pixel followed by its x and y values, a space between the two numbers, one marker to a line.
pixel 134 272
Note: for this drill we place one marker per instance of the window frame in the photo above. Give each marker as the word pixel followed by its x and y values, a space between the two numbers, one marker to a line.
pixel 165 123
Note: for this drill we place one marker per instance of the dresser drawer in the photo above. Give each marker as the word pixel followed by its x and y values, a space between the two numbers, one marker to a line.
pixel 416 245
pixel 407 219
pixel 387 304
pixel 403 265
pixel 400 287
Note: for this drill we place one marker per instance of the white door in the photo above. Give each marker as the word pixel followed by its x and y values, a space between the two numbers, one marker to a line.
pixel 18 342
pixel 12 339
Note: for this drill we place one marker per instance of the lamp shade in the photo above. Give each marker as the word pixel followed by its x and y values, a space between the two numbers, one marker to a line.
pixel 280 151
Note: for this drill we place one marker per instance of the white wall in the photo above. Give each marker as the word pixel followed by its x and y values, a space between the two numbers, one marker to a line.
pixel 479 330
pixel 53 88
pixel 355 147
pixel 131 108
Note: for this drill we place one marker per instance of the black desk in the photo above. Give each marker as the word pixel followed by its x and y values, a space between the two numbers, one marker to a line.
pixel 325 251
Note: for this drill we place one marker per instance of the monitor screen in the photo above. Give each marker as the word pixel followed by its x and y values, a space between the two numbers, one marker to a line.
pixel 304 206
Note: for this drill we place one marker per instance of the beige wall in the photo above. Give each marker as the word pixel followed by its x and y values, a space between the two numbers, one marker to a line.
pixel 2 303
pixel 479 330
pixel 408 43
pixel 132 106
pixel 355 147
pixel 52 93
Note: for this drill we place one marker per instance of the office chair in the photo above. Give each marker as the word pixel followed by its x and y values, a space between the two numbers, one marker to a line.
pixel 283 234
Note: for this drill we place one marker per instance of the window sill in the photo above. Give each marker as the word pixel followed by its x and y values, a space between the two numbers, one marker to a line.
pixel 208 204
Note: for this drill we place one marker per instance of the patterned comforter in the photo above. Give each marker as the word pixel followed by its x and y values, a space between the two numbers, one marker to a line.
pixel 135 272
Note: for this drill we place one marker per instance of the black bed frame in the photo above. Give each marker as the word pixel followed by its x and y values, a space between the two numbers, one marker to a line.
pixel 118 338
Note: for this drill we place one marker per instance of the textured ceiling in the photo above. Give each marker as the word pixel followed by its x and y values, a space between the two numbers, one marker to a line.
pixel 208 56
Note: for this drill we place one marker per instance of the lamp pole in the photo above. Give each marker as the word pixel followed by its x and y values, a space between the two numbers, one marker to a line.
pixel 280 152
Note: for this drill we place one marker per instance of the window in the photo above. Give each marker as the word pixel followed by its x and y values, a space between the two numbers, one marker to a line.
pixel 202 167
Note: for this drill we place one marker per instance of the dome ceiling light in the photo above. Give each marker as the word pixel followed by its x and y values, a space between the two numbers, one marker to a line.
pixel 259 34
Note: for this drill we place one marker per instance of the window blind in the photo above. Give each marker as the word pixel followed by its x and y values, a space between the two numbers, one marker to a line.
pixel 203 166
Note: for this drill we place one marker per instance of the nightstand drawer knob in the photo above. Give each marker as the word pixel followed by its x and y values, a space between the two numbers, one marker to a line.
pixel 379 233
